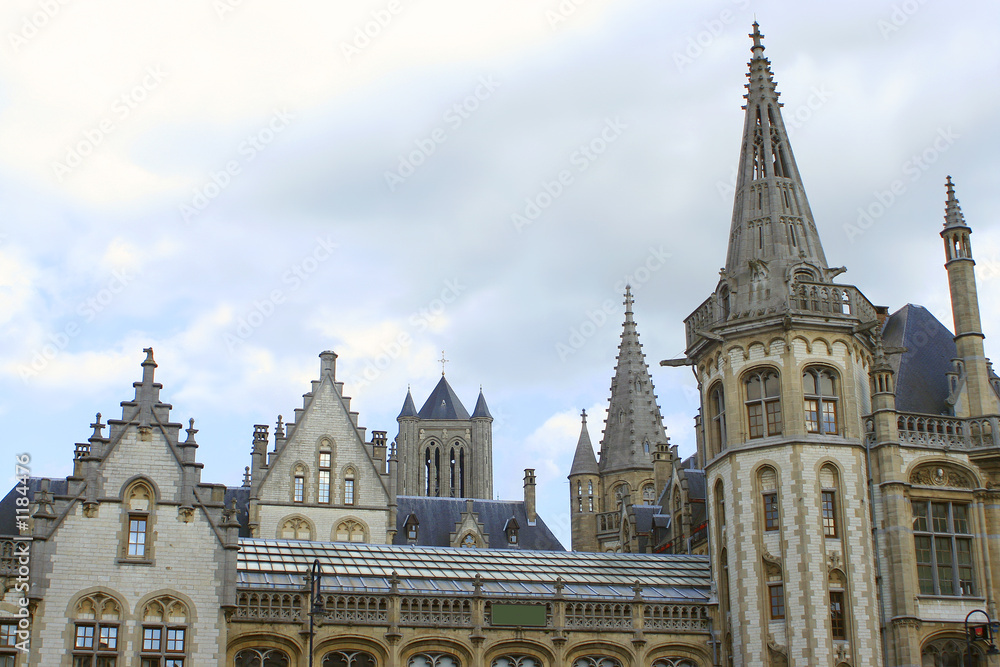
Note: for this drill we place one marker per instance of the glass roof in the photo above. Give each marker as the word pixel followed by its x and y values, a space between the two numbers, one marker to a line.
pixel 285 563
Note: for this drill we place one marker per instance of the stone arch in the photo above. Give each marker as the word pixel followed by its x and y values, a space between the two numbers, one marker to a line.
pixel 352 644
pixel 826 344
pixel 95 602
pixel 134 480
pixel 948 648
pixel 589 652
pixel 349 491
pixel 263 642
pixel 524 647
pixel 435 645
pixel 805 341
pixel 296 527
pixel 261 656
pixel 350 529
pixel 936 471
pixel 166 601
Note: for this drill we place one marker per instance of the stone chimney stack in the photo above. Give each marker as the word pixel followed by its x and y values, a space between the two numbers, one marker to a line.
pixel 328 364
pixel 529 495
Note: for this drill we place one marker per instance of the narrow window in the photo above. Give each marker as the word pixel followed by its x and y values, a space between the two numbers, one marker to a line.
pixel 820 389
pixel 777 597
pixel 771 511
pixel 136 536
pixel 717 412
pixel 830 513
pixel 763 403
pixel 837 623
pixel 323 487
pixel 349 491
pixel 300 485
pixel 139 508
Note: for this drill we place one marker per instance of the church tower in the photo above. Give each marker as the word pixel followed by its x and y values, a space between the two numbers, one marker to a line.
pixel 782 356
pixel 584 492
pixel 442 450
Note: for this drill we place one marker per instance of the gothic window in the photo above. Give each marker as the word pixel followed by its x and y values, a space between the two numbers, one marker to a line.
pixel 645 446
pixel 950 653
pixel 95 632
pixel 261 657
pixel 457 470
pixel 597 661
pixel 349 659
pixel 139 505
pixel 776 596
pixel 942 539
pixel 296 528
pixel 724 302
pixel 299 484
pixel 838 623
pixel 433 660
pixel 830 513
pixel 516 661
pixel 350 530
pixel 620 492
pixel 579 496
pixel 469 542
pixel 432 470
pixel 673 662
pixel 164 633
pixel 771 521
pixel 819 386
pixel 349 486
pixel 621 416
pixel 590 496
pixel 648 494
pixel 717 413
pixel 763 403
pixel 323 486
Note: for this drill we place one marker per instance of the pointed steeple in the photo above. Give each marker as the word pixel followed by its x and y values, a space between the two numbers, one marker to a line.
pixel 953 216
pixel 443 403
pixel 634 423
pixel 481 410
pixel 584 461
pixel 772 226
pixel 409 409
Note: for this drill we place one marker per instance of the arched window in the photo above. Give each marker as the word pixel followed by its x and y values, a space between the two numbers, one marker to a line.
pixel 349 659
pixel 433 660
pixel 164 633
pixel 470 542
pixel 295 528
pixel 299 484
pixel 596 661
pixel 819 387
pixel 323 482
pixel 590 496
pixel 349 486
pixel 673 662
pixel 457 470
pixel 724 303
pixel 95 634
pixel 261 657
pixel 579 496
pixel 350 531
pixel 139 507
pixel 767 481
pixel 620 491
pixel 432 469
pixel 829 481
pixel 763 401
pixel 717 413
pixel 950 653
pixel 516 661
pixel 648 494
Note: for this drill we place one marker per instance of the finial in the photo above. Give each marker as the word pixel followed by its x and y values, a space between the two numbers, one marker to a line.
pixel 953 216
pixel 757 48
pixel 246 477
pixel 279 430
pixel 98 427
pixel 149 356
pixel 442 361
pixel 583 414
pixel 190 430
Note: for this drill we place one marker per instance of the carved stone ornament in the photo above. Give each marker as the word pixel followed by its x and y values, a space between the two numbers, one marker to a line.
pixel 185 514
pixel 90 509
pixel 941 474
pixel 833 562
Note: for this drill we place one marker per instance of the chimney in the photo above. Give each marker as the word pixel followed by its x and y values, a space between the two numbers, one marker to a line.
pixel 328 363
pixel 662 467
pixel 529 495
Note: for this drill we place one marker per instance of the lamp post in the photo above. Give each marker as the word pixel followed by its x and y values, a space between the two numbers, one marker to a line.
pixel 315 602
pixel 980 633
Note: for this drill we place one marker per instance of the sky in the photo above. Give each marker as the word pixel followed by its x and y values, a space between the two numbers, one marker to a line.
pixel 243 184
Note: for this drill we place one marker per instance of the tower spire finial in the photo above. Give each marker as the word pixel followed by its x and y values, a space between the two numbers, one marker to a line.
pixel 953 216
pixel 758 47
pixel 442 361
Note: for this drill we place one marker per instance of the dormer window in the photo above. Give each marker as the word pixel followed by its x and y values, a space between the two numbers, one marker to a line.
pixel 510 529
pixel 411 528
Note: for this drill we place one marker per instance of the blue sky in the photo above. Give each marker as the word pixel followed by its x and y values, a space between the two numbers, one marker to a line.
pixel 241 185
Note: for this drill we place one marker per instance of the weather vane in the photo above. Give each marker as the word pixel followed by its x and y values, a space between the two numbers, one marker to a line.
pixel 443 362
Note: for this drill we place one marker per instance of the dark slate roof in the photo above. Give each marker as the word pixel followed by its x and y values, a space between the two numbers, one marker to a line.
pixel 443 403
pixel 584 461
pixel 644 517
pixel 409 409
pixel 8 513
pixel 283 564
pixel 241 495
pixel 696 483
pixel 921 380
pixel 482 410
pixel 438 517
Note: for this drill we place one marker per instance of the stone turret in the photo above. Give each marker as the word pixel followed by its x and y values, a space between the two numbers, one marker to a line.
pixel 584 492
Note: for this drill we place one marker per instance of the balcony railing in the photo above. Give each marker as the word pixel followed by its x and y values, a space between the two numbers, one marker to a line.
pixel 943 432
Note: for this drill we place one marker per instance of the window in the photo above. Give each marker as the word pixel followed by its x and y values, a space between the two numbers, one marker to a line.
pixel 943 543
pixel 95 632
pixel 776 594
pixel 8 642
pixel 411 527
pixel 136 536
pixel 596 661
pixel 349 487
pixel 648 494
pixel 717 412
pixel 350 659
pixel 590 496
pixel 819 387
pixel 138 507
pixel 323 486
pixel 763 404
pixel 516 661
pixel 510 530
pixel 433 660
pixel 299 485
pixel 469 542
pixel 771 511
pixel 837 623
pixel 950 653
pixel 830 513
pixel 164 633
pixel 261 657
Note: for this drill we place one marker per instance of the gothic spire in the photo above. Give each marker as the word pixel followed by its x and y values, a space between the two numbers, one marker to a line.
pixel 584 461
pixel 772 227
pixel 634 424
pixel 953 216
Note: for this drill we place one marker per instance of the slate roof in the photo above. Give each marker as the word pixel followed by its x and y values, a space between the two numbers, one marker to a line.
pixel 481 410
pixel 921 380
pixel 241 495
pixel 8 506
pixel 443 403
pixel 368 567
pixel 438 517
pixel 584 461
pixel 409 409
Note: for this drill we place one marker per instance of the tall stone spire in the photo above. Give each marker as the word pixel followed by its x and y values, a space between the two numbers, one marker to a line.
pixel 634 423
pixel 772 228
pixel 584 461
